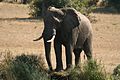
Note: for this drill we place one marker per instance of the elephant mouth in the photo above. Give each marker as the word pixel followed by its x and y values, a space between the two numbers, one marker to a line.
pixel 53 36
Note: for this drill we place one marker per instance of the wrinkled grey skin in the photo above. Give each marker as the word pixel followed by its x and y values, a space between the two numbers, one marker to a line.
pixel 71 29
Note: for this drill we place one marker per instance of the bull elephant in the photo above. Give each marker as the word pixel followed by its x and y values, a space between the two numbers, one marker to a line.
pixel 67 27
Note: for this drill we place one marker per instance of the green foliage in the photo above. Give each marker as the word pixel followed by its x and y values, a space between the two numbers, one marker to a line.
pixel 31 67
pixel 114 3
pixel 89 71
pixel 116 73
pixel 84 6
pixel 36 6
pixel 94 71
pixel 24 67
pixel 28 67
pixel 57 3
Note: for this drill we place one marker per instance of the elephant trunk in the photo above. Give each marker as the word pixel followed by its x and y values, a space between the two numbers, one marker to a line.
pixel 47 54
pixel 53 36
pixel 47 45
pixel 38 38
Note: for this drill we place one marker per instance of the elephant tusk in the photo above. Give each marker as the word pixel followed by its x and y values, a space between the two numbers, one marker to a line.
pixel 51 39
pixel 38 38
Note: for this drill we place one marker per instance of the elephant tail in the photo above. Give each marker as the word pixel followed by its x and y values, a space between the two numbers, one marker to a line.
pixel 38 38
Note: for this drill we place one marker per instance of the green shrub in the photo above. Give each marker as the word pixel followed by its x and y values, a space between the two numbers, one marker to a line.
pixel 24 67
pixel 84 6
pixel 116 73
pixel 31 67
pixel 28 67
pixel 89 71
pixel 36 6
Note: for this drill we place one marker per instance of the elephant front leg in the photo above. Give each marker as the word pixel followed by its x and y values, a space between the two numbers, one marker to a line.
pixel 47 54
pixel 58 52
pixel 68 56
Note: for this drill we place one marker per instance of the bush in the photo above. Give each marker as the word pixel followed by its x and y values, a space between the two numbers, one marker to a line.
pixel 24 67
pixel 28 67
pixel 116 73
pixel 31 67
pixel 84 6
pixel 114 3
pixel 36 6
pixel 90 71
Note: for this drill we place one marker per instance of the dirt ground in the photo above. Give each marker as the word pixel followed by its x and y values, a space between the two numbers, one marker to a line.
pixel 17 32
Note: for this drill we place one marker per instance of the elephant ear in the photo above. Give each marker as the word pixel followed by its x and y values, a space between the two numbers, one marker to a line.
pixel 72 17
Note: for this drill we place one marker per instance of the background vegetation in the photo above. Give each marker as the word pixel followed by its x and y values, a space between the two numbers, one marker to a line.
pixel 114 3
pixel 31 67
pixel 24 67
pixel 91 70
pixel 84 6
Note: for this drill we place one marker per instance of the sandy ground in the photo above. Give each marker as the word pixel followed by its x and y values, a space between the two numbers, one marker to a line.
pixel 17 32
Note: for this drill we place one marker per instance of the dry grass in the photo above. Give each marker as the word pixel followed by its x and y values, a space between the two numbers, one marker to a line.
pixel 106 39
pixel 17 33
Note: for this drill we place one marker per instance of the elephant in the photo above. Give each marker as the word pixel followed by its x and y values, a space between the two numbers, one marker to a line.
pixel 70 28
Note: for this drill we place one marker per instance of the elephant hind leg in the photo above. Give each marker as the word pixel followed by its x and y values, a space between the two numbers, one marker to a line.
pixel 87 47
pixel 77 55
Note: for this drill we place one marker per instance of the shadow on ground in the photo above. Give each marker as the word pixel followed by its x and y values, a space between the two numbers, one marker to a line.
pixel 106 10
pixel 21 19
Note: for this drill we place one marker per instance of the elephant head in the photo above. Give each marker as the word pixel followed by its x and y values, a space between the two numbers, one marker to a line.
pixel 58 18
pixel 54 18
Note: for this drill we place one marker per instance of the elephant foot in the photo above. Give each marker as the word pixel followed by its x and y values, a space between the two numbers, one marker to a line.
pixel 50 71
pixel 59 69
